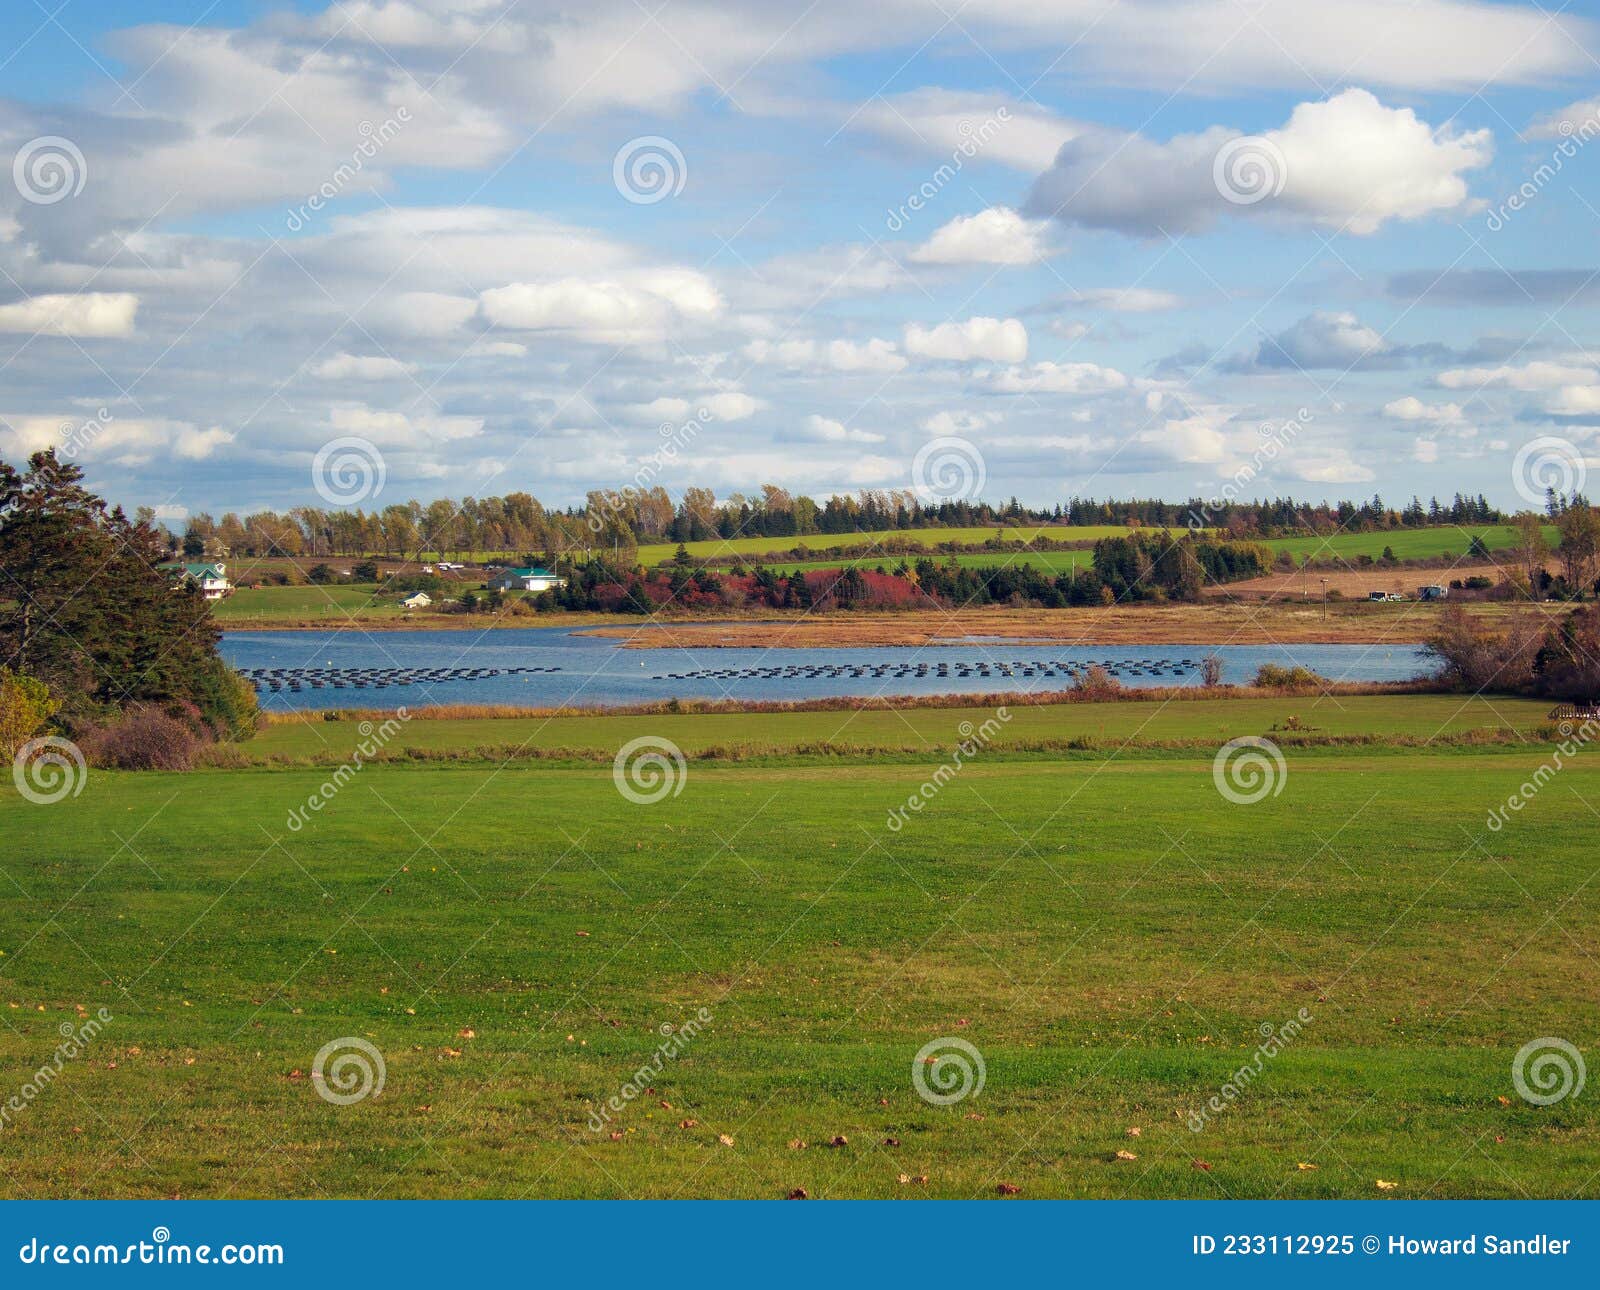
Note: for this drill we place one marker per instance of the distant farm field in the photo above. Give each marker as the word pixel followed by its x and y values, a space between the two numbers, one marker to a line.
pixel 655 553
pixel 734 990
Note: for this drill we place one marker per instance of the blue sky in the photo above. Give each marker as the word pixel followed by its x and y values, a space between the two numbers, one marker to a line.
pixel 1097 246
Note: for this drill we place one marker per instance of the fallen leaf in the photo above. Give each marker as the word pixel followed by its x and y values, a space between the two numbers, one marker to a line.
pixel 903 1179
pixel 1008 1189
pixel 840 1141
pixel 1303 1166
pixel 891 1142
pixel 467 1032
pixel 1503 1100
pixel 687 1124
pixel 1133 1130
pixel 726 1139
pixel 616 1137
pixel 797 1144
pixel 1386 1186
pixel 799 1193
pixel 1200 1164
pixel 1126 1155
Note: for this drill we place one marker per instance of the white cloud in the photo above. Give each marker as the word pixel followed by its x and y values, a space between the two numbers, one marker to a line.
pixel 958 422
pixel 87 314
pixel 1579 121
pixel 361 367
pixel 1332 467
pixel 1411 408
pixel 731 405
pixel 1059 378
pixel 1425 451
pixel 873 355
pixel 1126 300
pixel 827 430
pixel 995 236
pixel 989 339
pixel 1530 376
pixel 1319 340
pixel 610 312
pixel 1347 162
pixel 948 124
pixel 1575 401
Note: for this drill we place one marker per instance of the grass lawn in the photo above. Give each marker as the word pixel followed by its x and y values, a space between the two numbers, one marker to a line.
pixel 656 552
pixel 1421 716
pixel 1111 935
pixel 334 603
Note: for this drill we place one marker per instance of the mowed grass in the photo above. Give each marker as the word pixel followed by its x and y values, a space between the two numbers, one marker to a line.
pixel 1424 716
pixel 656 552
pixel 333 603
pixel 1111 935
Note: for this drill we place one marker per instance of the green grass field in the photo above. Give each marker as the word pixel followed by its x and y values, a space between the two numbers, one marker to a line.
pixel 335 603
pixel 655 553
pixel 1110 933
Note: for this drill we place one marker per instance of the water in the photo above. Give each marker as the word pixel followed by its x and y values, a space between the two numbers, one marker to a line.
pixel 596 671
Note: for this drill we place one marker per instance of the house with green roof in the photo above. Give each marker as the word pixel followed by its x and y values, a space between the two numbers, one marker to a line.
pixel 532 579
pixel 212 579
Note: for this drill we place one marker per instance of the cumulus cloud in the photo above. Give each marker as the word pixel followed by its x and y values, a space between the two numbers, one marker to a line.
pixel 827 430
pixel 945 124
pixel 1058 378
pixel 1411 408
pixel 874 355
pixel 995 236
pixel 1347 162
pixel 361 367
pixel 1319 340
pixel 991 340
pixel 1122 300
pixel 609 312
pixel 88 314
pixel 1574 401
pixel 1529 376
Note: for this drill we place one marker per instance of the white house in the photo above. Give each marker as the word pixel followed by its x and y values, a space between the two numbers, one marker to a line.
pixel 419 601
pixel 526 580
pixel 212 579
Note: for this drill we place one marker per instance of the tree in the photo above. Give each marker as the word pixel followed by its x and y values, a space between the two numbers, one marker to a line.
pixel 1579 548
pixel 25 705
pixel 1530 545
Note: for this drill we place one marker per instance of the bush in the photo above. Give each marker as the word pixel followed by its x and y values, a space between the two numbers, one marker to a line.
pixel 1097 682
pixel 25 705
pixel 143 738
pixel 1272 677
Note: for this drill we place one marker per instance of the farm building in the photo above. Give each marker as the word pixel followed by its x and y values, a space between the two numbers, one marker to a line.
pixel 421 600
pixel 212 579
pixel 534 579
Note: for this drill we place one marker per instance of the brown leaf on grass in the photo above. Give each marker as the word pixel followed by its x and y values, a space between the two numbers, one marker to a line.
pixel 687 1124
pixel 1134 1130
pixel 974 1115
pixel 921 1180
pixel 466 1032
pixel 616 1137
pixel 891 1142
pixel 726 1139
pixel 1008 1189
pixel 665 1105
pixel 452 1052
pixel 1126 1155
pixel 583 933
pixel 797 1144
pixel 188 1061
pixel 1303 1166
pixel 1503 1100
pixel 903 1179
pixel 840 1141
pixel 1384 1185
pixel 799 1193
pixel 1201 1165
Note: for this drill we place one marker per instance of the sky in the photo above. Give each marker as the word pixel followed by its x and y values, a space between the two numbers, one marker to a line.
pixel 259 254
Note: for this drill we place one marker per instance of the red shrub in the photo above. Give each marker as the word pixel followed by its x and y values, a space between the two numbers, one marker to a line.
pixel 142 738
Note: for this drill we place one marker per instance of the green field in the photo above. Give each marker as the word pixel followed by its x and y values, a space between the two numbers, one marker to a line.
pixel 1107 930
pixel 334 603
pixel 657 552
